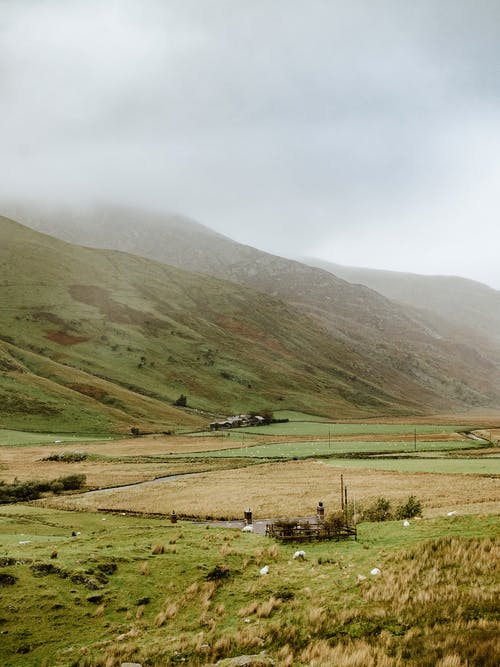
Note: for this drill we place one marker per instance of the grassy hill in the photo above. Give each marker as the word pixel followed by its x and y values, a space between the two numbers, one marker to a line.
pixel 422 360
pixel 102 340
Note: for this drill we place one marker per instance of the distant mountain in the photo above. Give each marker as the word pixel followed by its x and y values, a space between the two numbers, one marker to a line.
pixel 391 357
pixel 465 309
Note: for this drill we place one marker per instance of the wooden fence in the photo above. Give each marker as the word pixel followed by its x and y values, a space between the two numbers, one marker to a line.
pixel 305 531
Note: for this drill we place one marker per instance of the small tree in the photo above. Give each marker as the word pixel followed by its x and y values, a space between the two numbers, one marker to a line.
pixel 410 509
pixel 181 401
pixel 380 510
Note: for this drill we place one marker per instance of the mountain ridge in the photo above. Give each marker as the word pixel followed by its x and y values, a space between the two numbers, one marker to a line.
pixel 115 329
pixel 393 349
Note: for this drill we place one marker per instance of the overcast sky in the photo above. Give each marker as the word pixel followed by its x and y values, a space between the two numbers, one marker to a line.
pixel 365 132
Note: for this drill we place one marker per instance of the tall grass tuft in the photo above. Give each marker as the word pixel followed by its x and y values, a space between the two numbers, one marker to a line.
pixel 144 568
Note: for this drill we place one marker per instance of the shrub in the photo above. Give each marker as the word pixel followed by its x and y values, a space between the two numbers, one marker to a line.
pixel 380 510
pixel 71 482
pixel 56 487
pixel 32 489
pixel 411 508
pixel 335 522
pixel 19 491
pixel 181 401
pixel 7 579
pixel 67 457
pixel 217 573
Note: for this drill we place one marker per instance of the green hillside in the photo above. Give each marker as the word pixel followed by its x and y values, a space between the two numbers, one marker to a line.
pixel 431 361
pixel 100 340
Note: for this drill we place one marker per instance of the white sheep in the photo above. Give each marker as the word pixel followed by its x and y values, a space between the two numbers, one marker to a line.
pixel 300 555
pixel 265 569
pixel 247 529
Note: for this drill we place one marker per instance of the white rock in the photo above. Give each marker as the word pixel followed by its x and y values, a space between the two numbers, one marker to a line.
pixel 451 513
pixel 375 571
pixel 265 569
pixel 406 523
pixel 361 577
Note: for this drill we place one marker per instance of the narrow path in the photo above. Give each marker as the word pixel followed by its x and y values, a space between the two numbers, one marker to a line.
pixel 157 480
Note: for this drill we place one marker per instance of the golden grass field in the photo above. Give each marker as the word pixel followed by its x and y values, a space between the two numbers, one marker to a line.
pixel 226 487
pixel 128 461
pixel 434 603
pixel 292 488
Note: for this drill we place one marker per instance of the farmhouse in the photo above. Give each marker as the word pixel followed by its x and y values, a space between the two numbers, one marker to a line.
pixel 237 421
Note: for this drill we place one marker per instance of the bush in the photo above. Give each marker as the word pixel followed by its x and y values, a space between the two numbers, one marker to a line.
pixel 67 457
pixel 380 510
pixel 181 401
pixel 71 482
pixel 56 487
pixel 410 509
pixel 32 489
pixel 335 522
pixel 218 573
pixel 19 491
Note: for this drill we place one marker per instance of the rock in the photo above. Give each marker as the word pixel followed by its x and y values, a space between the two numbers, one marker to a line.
pixel 265 569
pixel 259 660
pixel 375 571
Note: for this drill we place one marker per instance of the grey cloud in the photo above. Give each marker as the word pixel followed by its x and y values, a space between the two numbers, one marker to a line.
pixel 340 128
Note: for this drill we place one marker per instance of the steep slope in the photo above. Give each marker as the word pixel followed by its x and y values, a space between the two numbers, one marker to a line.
pixel 122 337
pixel 393 347
pixel 465 309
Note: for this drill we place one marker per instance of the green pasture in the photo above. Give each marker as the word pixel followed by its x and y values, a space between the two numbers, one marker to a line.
pixel 445 465
pixel 333 448
pixel 12 438
pixel 294 416
pixel 335 429
pixel 74 585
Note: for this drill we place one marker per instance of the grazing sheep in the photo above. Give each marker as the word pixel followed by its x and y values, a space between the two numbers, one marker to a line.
pixel 265 569
pixel 247 529
pixel 299 555
pixel 375 571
